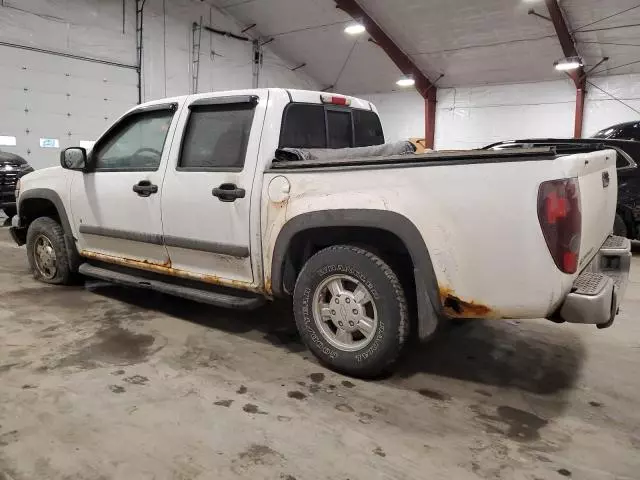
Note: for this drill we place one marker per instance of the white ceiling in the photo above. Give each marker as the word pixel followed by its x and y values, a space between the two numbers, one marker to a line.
pixel 471 42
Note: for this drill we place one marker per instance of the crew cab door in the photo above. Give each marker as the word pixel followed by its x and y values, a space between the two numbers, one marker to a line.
pixel 206 200
pixel 116 206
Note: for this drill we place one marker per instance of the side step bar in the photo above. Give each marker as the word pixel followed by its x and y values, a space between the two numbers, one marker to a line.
pixel 240 302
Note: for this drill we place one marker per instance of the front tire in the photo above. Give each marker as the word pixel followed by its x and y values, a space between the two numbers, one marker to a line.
pixel 351 311
pixel 47 252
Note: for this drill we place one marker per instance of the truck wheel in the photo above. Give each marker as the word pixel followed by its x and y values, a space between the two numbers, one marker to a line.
pixel 351 311
pixel 10 211
pixel 47 252
pixel 619 227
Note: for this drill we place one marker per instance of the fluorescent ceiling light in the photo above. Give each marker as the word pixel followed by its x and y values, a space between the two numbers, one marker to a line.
pixel 569 63
pixel 354 29
pixel 406 81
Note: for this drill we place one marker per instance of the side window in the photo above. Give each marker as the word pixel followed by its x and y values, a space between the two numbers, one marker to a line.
pixel 216 137
pixel 135 144
pixel 303 127
pixel 368 130
pixel 340 132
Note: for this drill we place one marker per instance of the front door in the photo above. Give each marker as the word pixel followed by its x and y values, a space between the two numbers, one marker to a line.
pixel 116 207
pixel 206 201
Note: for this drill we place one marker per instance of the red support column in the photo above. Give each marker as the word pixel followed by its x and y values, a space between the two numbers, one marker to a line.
pixel 581 92
pixel 430 118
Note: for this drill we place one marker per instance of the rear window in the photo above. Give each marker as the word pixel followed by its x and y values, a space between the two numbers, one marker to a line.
pixel 326 126
pixel 368 129
pixel 340 132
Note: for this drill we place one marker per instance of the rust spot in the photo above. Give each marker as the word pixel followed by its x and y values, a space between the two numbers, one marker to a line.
pixel 166 269
pixel 456 307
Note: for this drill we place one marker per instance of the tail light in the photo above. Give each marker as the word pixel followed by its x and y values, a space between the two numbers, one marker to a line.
pixel 335 99
pixel 561 221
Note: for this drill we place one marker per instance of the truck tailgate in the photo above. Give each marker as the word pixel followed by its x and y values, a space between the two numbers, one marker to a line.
pixel 598 182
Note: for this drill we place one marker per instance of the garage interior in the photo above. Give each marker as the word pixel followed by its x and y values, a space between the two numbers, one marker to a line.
pixel 99 381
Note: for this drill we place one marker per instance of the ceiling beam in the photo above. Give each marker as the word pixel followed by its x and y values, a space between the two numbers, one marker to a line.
pixel 395 53
pixel 567 42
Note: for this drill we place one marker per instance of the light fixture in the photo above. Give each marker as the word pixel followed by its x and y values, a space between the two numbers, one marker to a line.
pixel 569 63
pixel 354 29
pixel 406 81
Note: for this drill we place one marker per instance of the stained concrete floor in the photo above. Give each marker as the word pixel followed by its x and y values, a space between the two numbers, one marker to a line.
pixel 102 382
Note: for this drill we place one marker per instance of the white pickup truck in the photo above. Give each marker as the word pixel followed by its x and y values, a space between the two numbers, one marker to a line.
pixel 200 196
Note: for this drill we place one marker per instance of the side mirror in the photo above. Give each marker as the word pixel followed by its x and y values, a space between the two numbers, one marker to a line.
pixel 74 158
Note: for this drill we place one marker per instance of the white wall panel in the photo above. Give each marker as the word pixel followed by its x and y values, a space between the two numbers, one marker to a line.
pixel 47 96
pixel 476 116
pixel 401 114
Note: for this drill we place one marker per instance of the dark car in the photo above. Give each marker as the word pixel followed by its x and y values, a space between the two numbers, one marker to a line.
pixel 627 221
pixel 621 131
pixel 12 167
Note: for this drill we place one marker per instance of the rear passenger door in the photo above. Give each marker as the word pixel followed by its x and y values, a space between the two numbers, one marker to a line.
pixel 206 196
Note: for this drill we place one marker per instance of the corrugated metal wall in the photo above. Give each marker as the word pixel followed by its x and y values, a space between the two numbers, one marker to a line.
pixel 65 99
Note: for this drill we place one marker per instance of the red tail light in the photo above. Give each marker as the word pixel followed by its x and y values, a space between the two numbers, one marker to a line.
pixel 334 99
pixel 561 221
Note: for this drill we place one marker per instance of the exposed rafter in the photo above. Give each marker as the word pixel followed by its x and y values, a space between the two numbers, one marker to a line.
pixel 568 44
pixel 424 86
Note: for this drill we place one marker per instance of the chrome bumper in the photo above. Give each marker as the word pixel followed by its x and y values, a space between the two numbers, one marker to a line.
pixel 598 291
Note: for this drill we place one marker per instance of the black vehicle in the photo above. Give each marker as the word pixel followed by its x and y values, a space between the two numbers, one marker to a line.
pixel 627 221
pixel 12 167
pixel 621 131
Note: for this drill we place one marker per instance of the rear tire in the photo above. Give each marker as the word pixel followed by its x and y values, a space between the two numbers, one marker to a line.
pixel 47 252
pixel 619 227
pixel 351 311
pixel 10 211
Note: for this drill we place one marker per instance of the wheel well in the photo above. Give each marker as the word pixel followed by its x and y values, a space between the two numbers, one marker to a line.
pixel 32 208
pixel 380 242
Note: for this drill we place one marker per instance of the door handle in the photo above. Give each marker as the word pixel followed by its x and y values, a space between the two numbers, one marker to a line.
pixel 228 192
pixel 145 188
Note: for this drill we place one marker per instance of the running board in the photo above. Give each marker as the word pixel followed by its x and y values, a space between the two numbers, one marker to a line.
pixel 241 302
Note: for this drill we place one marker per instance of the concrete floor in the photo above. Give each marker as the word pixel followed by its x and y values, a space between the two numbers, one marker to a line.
pixel 101 382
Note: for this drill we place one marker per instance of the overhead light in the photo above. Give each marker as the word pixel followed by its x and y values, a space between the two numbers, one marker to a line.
pixel 569 63
pixel 406 81
pixel 354 29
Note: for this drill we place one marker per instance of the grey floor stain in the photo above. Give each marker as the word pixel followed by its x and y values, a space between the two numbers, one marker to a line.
pixel 137 380
pixel 296 394
pixel 348 384
pixel 343 407
pixel 514 423
pixel 251 408
pixel 117 389
pixel 223 403
pixel 316 377
pixel 564 472
pixel 115 345
pixel 378 451
pixel 260 455
pixel 365 417
pixel 434 395
pixel 242 390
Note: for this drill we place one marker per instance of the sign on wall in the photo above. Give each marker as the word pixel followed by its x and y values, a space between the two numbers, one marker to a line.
pixel 49 143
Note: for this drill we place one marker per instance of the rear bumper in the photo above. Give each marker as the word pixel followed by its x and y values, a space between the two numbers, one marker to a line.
pixel 596 294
